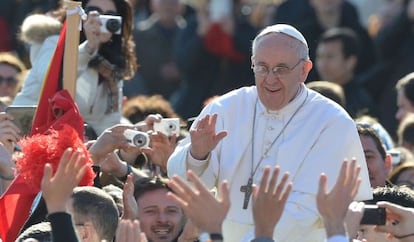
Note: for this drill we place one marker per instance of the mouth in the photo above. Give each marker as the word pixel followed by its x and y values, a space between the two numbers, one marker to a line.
pixel 273 90
pixel 161 231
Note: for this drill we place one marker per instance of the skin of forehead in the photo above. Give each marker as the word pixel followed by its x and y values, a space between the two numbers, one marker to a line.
pixel 278 39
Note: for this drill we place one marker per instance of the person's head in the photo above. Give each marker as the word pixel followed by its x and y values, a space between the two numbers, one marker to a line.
pixel 403 175
pixel 161 219
pixel 119 50
pixel 402 196
pixel 405 96
pixel 330 90
pixel 116 194
pixel 94 214
pixel 337 55
pixel 378 128
pixel 137 108
pixel 378 161
pixel 326 7
pixel 41 232
pixel 406 132
pixel 280 62
pixel 166 10
pixel 11 74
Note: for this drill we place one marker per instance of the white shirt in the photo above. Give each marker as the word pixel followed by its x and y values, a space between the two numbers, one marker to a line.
pixel 316 140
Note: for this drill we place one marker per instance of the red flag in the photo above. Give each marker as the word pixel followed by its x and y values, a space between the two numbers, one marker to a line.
pixel 55 109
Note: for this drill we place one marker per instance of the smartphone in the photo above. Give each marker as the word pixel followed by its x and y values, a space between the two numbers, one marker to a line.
pixel 23 116
pixel 373 215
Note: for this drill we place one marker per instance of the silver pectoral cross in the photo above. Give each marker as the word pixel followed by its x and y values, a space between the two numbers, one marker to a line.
pixel 247 190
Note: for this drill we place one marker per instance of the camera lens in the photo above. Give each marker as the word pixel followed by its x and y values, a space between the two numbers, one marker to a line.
pixel 139 140
pixel 113 25
pixel 171 126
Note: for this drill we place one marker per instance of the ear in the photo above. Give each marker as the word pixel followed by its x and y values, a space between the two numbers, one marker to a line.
pixel 388 163
pixel 351 62
pixel 307 66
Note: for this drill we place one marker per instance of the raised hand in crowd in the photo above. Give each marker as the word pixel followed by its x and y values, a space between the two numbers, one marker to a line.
pixel 57 188
pixel 400 221
pixel 204 137
pixel 269 200
pixel 199 204
pixel 333 205
pixel 161 149
pixel 129 231
pixel 190 232
pixel 9 132
pixel 130 204
pixel 111 139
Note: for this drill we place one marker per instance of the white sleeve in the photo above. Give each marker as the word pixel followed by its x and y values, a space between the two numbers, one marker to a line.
pixel 338 238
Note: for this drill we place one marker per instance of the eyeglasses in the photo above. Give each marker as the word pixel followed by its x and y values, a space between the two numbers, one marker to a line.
pixel 11 81
pixel 99 10
pixel 263 71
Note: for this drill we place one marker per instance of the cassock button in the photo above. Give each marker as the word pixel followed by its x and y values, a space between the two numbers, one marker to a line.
pixel 270 128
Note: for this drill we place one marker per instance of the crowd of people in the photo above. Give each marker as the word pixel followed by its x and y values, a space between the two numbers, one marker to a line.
pixel 295 120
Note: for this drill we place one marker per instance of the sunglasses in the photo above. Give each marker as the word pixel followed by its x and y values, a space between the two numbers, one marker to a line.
pixel 11 81
pixel 99 10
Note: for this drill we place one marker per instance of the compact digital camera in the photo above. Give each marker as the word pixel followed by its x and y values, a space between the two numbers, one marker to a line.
pixel 168 126
pixel 111 24
pixel 137 138
pixel 373 215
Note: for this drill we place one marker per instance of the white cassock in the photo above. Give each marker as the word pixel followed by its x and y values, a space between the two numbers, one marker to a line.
pixel 318 138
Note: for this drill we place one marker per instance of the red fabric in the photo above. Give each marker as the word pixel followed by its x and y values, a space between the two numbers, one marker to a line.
pixel 57 125
pixel 220 43
pixel 6 36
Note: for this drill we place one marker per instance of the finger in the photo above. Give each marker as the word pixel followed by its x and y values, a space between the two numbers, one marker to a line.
pixel 225 193
pixel 47 175
pixel 137 230
pixel 219 136
pixel 175 198
pixel 197 182
pixel 64 160
pixel 282 185
pixel 342 173
pixel 273 180
pixel 180 188
pixel 286 194
pixel 322 189
pixel 121 231
pixel 264 181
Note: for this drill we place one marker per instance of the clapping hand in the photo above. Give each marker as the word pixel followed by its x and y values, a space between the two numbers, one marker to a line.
pixel 129 231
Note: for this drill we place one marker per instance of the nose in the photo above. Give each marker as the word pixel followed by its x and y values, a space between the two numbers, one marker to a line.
pixel 399 115
pixel 162 217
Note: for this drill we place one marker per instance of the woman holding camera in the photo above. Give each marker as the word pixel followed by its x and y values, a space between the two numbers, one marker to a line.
pixel 106 57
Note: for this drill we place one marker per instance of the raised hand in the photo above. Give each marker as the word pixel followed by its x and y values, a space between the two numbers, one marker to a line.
pixel 111 139
pixel 333 206
pixel 199 204
pixel 161 149
pixel 130 204
pixel 204 137
pixel 9 133
pixel 129 231
pixel 58 188
pixel 269 200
